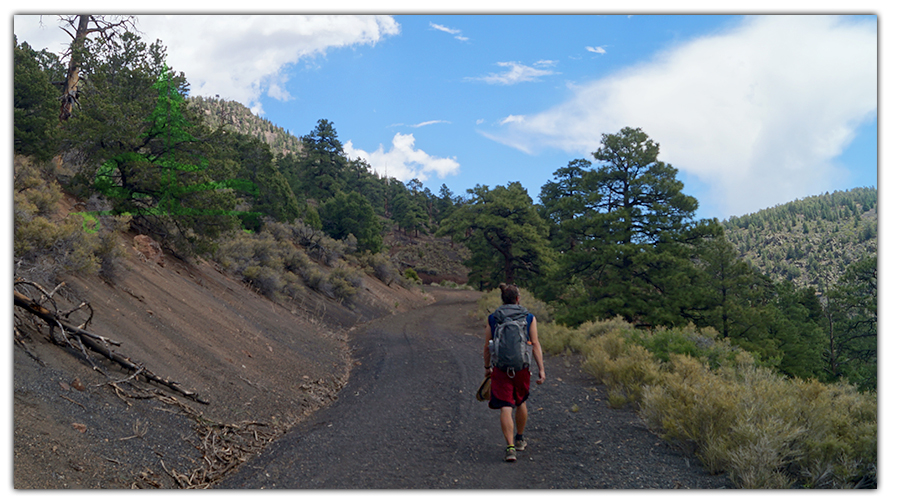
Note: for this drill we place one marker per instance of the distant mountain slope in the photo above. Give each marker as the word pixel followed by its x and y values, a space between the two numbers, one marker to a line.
pixel 240 119
pixel 809 241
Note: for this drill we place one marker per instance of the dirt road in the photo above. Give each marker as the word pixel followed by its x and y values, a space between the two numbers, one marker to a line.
pixel 408 419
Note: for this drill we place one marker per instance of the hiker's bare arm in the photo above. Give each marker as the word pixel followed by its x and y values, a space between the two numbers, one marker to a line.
pixel 537 352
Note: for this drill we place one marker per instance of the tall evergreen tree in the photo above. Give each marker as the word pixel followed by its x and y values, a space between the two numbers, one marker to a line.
pixel 852 325
pixel 322 169
pixel 625 230
pixel 505 233
pixel 350 213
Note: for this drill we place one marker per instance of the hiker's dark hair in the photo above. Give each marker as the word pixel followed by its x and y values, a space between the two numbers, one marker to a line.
pixel 509 293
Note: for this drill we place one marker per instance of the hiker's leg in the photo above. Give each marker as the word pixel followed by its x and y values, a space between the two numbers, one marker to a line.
pixel 521 418
pixel 506 424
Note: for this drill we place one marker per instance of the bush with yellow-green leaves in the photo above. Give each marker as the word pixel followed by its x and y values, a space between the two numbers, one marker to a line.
pixel 712 399
pixel 46 241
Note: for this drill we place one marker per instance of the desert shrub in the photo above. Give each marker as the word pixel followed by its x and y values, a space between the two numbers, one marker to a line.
pixel 765 430
pixel 715 400
pixel 380 265
pixel 274 262
pixel 344 282
pixel 556 339
pixel 704 344
pixel 317 280
pixel 46 244
pixel 624 368
pixel 411 275
pixel 840 445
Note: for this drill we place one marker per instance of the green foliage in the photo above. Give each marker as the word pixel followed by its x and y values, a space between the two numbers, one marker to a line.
pixel 35 123
pixel 851 314
pixel 704 344
pixel 712 399
pixel 350 214
pixel 810 241
pixel 45 244
pixel 507 237
pixel 142 151
pixel 412 275
pixel 409 215
pixel 275 262
pixel 117 97
pixel 625 233
pixel 251 159
pixel 780 324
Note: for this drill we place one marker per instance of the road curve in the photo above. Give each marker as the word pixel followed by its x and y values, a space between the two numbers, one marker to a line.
pixel 408 419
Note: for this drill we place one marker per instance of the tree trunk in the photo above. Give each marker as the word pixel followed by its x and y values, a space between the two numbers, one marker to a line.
pixel 70 92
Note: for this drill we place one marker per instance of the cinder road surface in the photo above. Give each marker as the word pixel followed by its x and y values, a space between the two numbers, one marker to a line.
pixel 408 419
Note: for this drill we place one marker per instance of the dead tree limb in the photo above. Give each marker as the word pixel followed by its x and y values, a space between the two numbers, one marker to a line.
pixel 98 344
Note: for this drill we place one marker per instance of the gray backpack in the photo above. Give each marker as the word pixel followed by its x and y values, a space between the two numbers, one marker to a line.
pixel 512 346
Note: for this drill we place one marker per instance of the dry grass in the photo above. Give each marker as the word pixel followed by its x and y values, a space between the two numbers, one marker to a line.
pixel 713 400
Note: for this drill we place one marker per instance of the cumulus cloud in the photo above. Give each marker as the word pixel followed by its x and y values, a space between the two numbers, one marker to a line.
pixel 403 161
pixel 239 57
pixel 516 73
pixel 758 113
pixel 596 50
pixel 242 57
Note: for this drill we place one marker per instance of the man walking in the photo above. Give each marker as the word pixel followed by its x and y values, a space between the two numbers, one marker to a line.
pixel 510 346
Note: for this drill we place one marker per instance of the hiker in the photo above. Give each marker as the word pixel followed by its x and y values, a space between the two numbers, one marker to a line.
pixel 510 378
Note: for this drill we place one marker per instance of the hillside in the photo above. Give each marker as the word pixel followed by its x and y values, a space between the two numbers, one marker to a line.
pixel 809 241
pixel 238 118
pixel 261 366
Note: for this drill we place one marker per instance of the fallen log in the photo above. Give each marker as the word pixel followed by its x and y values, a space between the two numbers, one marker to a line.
pixel 99 344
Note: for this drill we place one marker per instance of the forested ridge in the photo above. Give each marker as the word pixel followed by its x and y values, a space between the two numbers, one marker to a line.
pixel 609 240
pixel 810 241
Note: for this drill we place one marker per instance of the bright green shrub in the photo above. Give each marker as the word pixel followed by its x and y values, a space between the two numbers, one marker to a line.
pixel 704 344
pixel 411 275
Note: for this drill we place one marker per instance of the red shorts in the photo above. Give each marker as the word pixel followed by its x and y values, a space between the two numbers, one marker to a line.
pixel 509 391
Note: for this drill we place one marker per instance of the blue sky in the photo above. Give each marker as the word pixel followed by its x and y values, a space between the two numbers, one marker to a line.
pixel 754 111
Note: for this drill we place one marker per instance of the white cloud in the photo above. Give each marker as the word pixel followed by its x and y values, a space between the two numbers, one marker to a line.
pixel 515 73
pixel 430 122
pixel 403 161
pixel 513 119
pixel 239 57
pixel 758 112
pixel 596 50
pixel 451 31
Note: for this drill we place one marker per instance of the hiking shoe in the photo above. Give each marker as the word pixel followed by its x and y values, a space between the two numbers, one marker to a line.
pixel 511 454
pixel 520 444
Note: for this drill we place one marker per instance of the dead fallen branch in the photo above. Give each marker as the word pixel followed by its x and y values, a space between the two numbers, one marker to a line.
pixel 95 343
